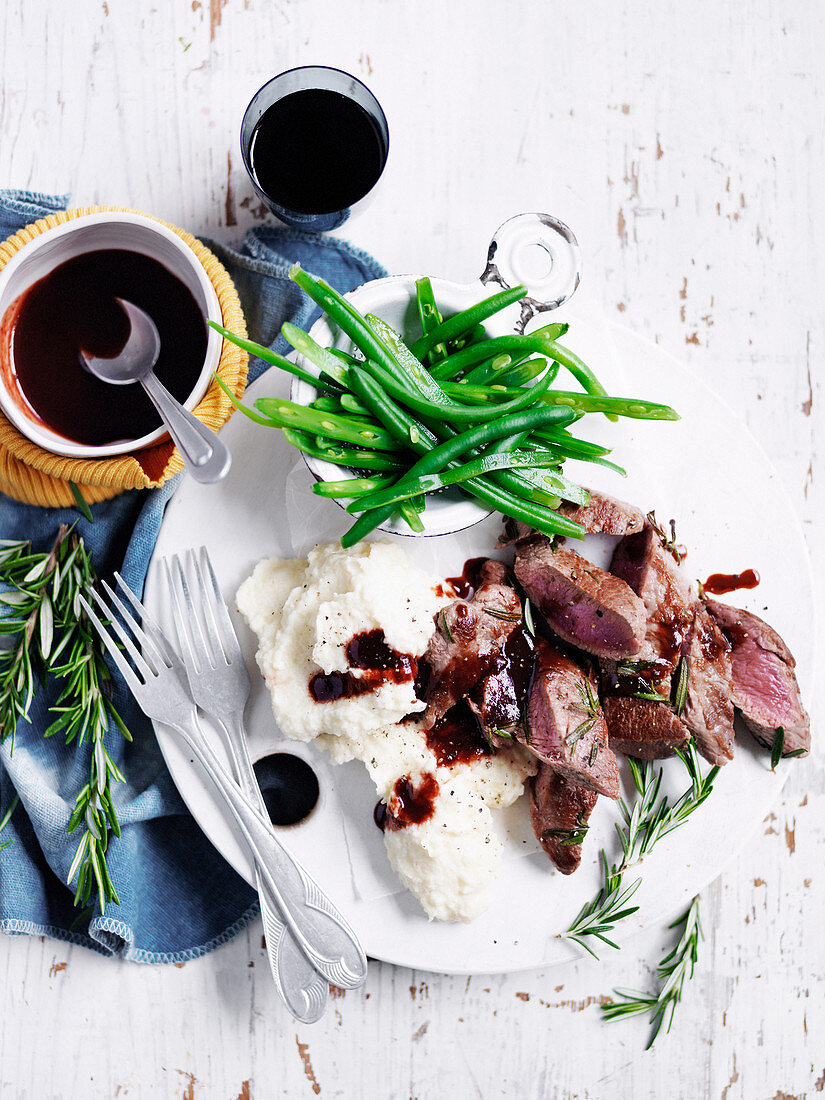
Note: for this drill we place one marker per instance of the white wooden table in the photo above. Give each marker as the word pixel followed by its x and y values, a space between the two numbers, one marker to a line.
pixel 684 144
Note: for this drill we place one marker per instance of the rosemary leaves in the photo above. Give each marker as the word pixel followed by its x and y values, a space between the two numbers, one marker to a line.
pixel 51 637
pixel 673 971
pixel 649 818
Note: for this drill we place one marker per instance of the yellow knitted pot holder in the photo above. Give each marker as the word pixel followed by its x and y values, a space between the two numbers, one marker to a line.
pixel 36 476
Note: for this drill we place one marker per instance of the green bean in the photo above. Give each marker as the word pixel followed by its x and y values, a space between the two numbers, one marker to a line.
pixel 431 483
pixel 451 411
pixel 568 443
pixel 269 356
pixel 409 513
pixel 467 319
pixel 287 414
pixel 548 484
pixel 486 373
pixel 437 459
pixel 325 360
pixel 474 336
pixel 353 405
pixel 429 317
pixel 326 403
pixel 631 407
pixel 520 374
pixel 398 422
pixel 410 370
pixel 255 417
pixel 350 487
pixel 349 320
pixel 353 457
pixel 512 344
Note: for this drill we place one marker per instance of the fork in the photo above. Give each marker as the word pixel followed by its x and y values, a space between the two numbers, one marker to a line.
pixel 219 685
pixel 159 684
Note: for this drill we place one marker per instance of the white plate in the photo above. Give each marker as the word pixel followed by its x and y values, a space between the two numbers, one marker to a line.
pixel 707 471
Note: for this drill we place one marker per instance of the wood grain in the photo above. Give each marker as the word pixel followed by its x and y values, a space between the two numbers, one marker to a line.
pixel 684 144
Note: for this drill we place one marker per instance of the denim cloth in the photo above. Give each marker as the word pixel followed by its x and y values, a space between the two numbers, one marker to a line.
pixel 178 897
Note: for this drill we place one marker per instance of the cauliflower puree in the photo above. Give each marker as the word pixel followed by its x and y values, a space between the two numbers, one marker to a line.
pixel 305 613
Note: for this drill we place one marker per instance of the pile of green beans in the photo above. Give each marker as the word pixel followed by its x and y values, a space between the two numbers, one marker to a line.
pixel 452 408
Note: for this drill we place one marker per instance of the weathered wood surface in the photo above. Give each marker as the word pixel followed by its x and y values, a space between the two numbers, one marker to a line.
pixel 684 143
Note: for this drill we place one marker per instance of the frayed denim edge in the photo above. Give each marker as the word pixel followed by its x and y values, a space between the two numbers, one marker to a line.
pixel 11 927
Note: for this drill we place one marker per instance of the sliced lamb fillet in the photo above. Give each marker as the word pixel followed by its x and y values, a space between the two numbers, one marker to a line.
pixel 642 729
pixel 559 811
pixel 605 515
pixel 499 697
pixel 764 682
pixel 583 604
pixel 493 571
pixel 469 636
pixel 708 712
pixel 564 729
pixel 655 576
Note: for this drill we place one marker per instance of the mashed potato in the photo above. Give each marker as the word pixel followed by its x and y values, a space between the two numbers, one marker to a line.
pixel 305 613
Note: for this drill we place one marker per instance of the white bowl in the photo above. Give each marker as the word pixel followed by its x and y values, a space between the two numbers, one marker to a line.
pixel 511 259
pixel 106 229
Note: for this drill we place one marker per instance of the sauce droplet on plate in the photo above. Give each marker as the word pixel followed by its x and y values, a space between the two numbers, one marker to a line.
pixel 289 786
pixel 720 583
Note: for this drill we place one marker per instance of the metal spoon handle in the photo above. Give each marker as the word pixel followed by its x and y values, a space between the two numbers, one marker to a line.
pixel 206 456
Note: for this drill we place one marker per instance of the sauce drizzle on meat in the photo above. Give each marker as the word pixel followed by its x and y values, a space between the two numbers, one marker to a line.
pixel 465 585
pixel 457 737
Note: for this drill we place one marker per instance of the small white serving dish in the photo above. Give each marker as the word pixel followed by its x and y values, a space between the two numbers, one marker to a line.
pixel 534 249
pixel 105 229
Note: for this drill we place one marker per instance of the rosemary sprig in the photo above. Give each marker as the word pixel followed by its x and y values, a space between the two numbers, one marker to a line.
pixel 680 690
pixel 590 706
pixel 668 543
pixel 567 838
pixel 54 638
pixel 644 823
pixel 673 971
pixel 505 616
pixel 778 748
pixel 603 913
pixel 527 610
pixel 6 818
pixel 651 817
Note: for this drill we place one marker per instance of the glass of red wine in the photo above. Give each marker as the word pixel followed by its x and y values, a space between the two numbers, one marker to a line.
pixel 314 141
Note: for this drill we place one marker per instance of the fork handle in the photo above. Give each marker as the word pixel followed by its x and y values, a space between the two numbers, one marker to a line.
pixel 321 931
pixel 302 988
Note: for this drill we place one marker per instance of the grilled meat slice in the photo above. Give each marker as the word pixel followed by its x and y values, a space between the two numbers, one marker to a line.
pixel 499 698
pixel 583 604
pixel 708 712
pixel 469 636
pixel 565 725
pixel 655 576
pixel 559 811
pixel 643 729
pixel 605 515
pixel 765 690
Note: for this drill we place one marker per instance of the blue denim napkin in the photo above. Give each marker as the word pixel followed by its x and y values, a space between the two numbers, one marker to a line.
pixel 178 897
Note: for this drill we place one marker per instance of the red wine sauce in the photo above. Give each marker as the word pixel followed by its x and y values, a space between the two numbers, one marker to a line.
pixel 720 583
pixel 73 307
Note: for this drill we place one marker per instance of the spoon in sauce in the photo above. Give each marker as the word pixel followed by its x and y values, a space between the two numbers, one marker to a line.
pixel 206 456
